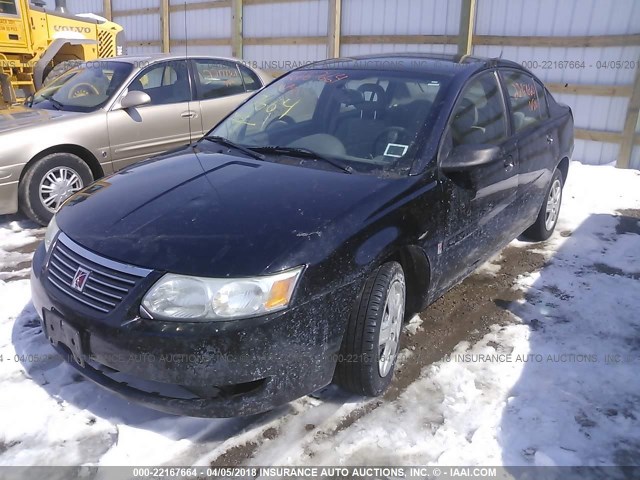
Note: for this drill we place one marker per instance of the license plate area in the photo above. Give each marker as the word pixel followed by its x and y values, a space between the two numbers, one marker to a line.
pixel 58 331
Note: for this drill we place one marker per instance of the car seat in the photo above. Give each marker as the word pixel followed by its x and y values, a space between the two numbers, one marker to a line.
pixel 359 133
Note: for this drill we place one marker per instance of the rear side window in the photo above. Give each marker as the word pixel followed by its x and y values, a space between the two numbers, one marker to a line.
pixel 251 80
pixel 216 79
pixel 526 98
pixel 479 117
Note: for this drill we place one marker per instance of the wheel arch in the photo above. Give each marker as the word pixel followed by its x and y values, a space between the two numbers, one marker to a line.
pixel 84 154
pixel 563 166
pixel 417 270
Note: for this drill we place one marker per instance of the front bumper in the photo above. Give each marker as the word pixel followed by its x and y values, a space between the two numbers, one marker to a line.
pixel 216 369
pixel 8 198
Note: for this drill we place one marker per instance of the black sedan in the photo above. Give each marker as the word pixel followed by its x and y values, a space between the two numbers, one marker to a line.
pixel 284 250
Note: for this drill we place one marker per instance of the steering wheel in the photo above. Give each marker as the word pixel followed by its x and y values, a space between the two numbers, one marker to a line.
pixel 82 90
pixel 280 123
pixel 388 135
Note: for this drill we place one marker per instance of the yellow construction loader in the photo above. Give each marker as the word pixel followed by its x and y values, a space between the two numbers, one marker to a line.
pixel 37 45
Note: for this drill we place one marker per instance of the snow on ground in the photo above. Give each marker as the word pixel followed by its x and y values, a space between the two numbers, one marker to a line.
pixel 15 237
pixel 557 386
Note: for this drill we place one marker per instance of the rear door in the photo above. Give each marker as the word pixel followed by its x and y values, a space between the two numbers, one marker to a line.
pixel 480 200
pixel 220 86
pixel 141 132
pixel 536 135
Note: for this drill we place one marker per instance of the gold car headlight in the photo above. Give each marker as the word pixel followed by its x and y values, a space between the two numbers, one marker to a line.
pixel 50 234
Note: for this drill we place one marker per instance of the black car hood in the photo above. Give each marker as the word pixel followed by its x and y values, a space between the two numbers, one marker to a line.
pixel 212 214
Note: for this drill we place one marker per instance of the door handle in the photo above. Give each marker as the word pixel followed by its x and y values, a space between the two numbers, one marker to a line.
pixel 508 163
pixel 188 114
pixel 549 139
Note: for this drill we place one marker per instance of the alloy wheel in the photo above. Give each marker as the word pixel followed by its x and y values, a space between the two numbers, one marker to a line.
pixel 57 185
pixel 391 326
pixel 553 205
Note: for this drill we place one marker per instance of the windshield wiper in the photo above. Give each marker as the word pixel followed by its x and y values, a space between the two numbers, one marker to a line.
pixel 305 153
pixel 56 104
pixel 228 143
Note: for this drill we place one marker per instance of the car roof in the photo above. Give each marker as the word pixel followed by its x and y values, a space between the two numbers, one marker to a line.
pixel 420 62
pixel 158 57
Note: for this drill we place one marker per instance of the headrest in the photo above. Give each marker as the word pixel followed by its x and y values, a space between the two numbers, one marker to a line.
pixel 347 96
pixel 374 97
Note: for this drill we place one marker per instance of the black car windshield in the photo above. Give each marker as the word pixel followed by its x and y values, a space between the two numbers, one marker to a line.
pixel 84 88
pixel 369 121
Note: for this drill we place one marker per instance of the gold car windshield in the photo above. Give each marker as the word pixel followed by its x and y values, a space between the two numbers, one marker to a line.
pixel 84 88
pixel 367 119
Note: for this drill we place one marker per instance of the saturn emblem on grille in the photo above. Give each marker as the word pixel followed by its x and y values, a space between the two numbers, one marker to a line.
pixel 80 279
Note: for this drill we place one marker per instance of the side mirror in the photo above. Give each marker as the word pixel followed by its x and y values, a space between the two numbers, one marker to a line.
pixel 135 98
pixel 465 157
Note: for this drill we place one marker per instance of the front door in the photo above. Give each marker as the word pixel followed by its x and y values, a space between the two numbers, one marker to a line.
pixel 480 209
pixel 167 122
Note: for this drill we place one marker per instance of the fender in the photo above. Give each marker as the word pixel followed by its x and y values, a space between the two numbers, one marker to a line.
pixel 51 52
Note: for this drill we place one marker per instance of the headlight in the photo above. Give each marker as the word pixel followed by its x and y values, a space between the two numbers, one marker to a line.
pixel 197 299
pixel 52 231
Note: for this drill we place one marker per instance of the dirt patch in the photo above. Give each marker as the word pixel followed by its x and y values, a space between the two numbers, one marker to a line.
pixel 6 446
pixel 628 221
pixel 270 433
pixel 236 455
pixel 609 270
pixel 466 312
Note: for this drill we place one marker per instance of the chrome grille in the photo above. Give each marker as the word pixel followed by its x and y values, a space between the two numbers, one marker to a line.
pixel 106 284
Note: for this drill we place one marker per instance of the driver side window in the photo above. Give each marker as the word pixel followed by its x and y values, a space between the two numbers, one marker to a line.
pixel 165 83
pixel 479 117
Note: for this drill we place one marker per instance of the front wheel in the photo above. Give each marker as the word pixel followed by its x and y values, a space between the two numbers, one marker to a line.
pixel 548 215
pixel 372 340
pixel 49 182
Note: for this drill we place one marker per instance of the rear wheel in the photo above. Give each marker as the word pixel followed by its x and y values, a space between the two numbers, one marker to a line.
pixel 49 182
pixel 548 215
pixel 371 343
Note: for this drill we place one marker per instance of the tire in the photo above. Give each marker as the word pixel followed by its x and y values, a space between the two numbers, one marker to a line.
pixel 58 70
pixel 364 366
pixel 57 175
pixel 547 219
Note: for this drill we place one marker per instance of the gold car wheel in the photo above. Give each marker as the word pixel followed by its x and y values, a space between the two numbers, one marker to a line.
pixel 57 185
